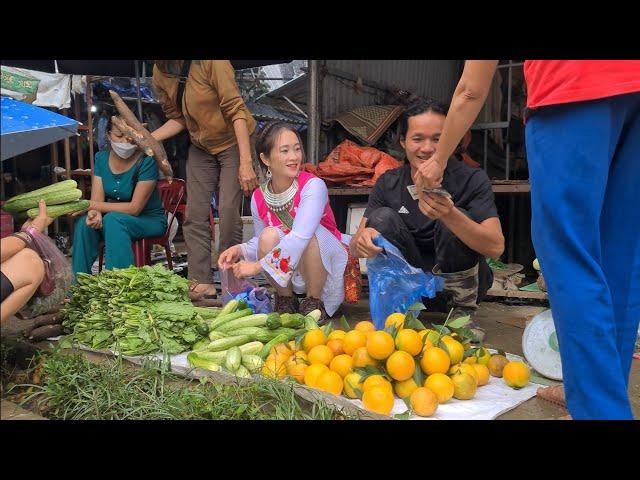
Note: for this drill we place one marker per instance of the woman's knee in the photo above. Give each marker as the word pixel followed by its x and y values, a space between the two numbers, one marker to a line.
pixel 269 238
pixel 112 218
pixel 33 265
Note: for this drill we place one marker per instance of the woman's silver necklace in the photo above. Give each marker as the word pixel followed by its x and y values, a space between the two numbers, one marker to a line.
pixel 279 202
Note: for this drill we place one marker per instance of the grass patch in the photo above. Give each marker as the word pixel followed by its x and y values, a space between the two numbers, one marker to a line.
pixel 72 387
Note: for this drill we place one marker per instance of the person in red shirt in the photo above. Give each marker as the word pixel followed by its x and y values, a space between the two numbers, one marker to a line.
pixel 583 151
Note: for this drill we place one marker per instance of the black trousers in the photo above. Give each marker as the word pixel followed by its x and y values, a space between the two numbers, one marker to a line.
pixel 449 251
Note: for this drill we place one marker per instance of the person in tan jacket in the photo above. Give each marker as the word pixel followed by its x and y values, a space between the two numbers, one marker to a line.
pixel 220 157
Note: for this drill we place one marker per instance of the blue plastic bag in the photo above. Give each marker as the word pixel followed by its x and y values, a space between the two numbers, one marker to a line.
pixel 394 285
pixel 233 288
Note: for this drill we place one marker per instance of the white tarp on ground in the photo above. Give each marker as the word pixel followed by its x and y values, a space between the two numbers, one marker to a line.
pixel 491 400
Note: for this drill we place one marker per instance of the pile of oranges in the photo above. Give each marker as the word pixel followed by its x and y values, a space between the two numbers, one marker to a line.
pixel 422 367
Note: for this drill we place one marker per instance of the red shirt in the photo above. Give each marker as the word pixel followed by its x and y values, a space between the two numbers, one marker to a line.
pixel 550 82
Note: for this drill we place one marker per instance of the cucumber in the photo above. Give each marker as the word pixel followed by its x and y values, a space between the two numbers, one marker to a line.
pixel 230 307
pixel 253 363
pixel 55 187
pixel 206 312
pixel 202 329
pixel 292 320
pixel 311 320
pixel 251 348
pixel 273 321
pixel 50 198
pixel 243 372
pixel 255 320
pixel 227 342
pixel 201 344
pixel 255 332
pixel 197 361
pixel 282 338
pixel 56 211
pixel 233 359
pixel 213 335
pixel 223 319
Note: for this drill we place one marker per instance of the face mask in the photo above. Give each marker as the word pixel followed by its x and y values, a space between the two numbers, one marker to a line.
pixel 124 149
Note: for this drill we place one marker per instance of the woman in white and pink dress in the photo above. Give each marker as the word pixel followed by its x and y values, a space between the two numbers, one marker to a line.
pixel 297 244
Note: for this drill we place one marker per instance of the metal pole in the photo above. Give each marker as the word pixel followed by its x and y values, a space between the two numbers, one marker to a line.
pixel 89 99
pixel 139 100
pixel 314 112
pixel 508 122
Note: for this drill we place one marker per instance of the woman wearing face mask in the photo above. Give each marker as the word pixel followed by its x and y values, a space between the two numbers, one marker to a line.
pixel 297 244
pixel 125 205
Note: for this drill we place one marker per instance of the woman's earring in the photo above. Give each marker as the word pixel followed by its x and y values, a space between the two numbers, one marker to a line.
pixel 269 173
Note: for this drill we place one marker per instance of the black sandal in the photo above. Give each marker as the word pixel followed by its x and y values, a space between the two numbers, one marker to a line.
pixel 198 296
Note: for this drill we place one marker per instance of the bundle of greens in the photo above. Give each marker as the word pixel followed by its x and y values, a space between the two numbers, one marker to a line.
pixel 134 311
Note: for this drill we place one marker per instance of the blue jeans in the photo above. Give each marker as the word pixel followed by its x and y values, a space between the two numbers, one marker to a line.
pixel 584 165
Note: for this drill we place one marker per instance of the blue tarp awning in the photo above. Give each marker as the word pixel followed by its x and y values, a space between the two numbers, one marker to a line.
pixel 25 127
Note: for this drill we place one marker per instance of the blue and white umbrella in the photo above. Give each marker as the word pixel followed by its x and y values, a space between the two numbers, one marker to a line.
pixel 25 127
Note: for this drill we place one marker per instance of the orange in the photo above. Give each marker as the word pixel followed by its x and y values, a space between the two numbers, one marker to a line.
pixel 341 364
pixel 320 354
pixel 312 373
pixel 472 360
pixel 330 382
pixel 298 357
pixel 281 349
pixel 396 319
pixel 361 358
pixel 378 399
pixel 496 365
pixel 427 344
pixel 312 339
pixel 423 402
pixel 464 368
pixel 281 357
pixel 400 365
pixel 297 371
pixel 454 348
pixel 353 340
pixel 380 345
pixel 464 386
pixel 352 382
pixel 431 335
pixel 336 335
pixel 483 374
pixel 375 380
pixel 336 346
pixel 434 360
pixel 365 326
pixel 516 374
pixel 273 368
pixel 408 340
pixel 405 388
pixel 441 385
pixel 483 356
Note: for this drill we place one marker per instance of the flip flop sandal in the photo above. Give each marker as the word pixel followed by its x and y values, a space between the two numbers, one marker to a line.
pixel 553 394
pixel 198 296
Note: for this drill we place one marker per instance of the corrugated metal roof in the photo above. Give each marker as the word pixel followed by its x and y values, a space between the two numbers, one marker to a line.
pixel 430 78
pixel 267 112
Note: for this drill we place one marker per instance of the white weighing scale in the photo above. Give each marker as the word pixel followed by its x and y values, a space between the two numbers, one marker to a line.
pixel 540 346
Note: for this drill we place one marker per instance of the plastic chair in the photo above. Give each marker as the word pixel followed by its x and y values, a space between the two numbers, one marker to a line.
pixel 170 195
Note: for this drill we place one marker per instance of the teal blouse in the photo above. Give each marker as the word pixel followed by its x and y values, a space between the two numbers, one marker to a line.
pixel 119 187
